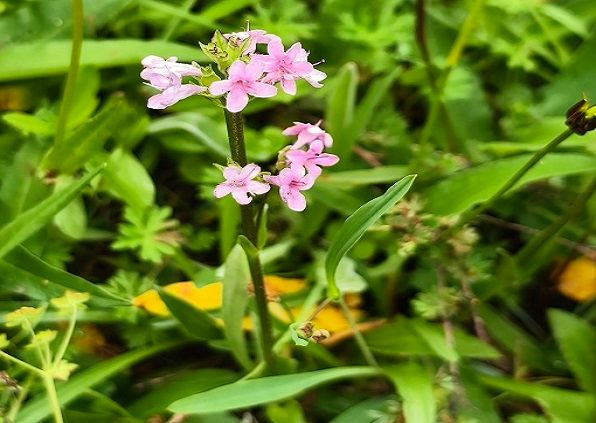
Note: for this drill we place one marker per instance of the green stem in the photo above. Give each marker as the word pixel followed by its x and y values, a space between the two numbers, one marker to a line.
pixel 48 382
pixel 73 71
pixel 511 182
pixel 364 349
pixel 23 364
pixel 235 127
pixel 541 239
pixel 67 336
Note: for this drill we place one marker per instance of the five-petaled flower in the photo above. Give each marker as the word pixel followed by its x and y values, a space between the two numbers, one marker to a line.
pixel 311 159
pixel 166 76
pixel 308 133
pixel 291 181
pixel 240 183
pixel 286 67
pixel 243 80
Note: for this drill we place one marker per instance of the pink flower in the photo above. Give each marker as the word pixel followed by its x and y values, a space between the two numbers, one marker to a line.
pixel 173 95
pixel 166 76
pixel 291 181
pixel 311 159
pixel 257 36
pixel 243 80
pixel 286 67
pixel 162 73
pixel 239 182
pixel 307 134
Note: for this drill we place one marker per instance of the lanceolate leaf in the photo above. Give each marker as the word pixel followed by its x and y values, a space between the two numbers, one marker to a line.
pixel 470 186
pixel 28 60
pixel 235 299
pixel 563 405
pixel 414 383
pixel 23 259
pixel 36 217
pixel 197 323
pixel 576 339
pixel 252 392
pixel 356 225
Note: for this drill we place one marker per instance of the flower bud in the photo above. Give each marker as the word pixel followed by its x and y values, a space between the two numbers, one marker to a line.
pixel 581 117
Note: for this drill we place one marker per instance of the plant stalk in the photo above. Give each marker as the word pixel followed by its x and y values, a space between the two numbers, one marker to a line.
pixel 511 182
pixel 235 127
pixel 364 348
pixel 73 71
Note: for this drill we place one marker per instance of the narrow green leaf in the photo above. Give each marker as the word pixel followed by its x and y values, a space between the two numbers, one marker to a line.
pixel 253 392
pixel 39 409
pixel 475 185
pixel 509 336
pixel 126 178
pixel 563 406
pixel 197 323
pixel 29 124
pixel 436 340
pixel 375 175
pixel 399 338
pixel 576 340
pixel 36 217
pixel 23 259
pixel 204 129
pixel 228 224
pixel 37 59
pixel 367 411
pixel 88 140
pixel 356 225
pixel 366 108
pixel 339 112
pixel 235 299
pixel 414 382
pixel 158 398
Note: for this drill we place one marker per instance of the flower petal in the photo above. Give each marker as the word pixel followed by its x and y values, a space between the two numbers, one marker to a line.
pixel 220 87
pixel 256 187
pixel 289 86
pixel 236 100
pixel 222 190
pixel 260 89
pixel 249 171
pixel 241 196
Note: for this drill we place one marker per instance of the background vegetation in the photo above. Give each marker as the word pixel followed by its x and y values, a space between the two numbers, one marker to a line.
pixel 494 323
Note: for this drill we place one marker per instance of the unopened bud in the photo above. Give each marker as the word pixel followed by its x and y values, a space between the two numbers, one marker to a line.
pixel 320 335
pixel 581 117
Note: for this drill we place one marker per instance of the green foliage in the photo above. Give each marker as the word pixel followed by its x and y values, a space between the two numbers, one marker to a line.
pixel 149 232
pixel 247 393
pixel 463 327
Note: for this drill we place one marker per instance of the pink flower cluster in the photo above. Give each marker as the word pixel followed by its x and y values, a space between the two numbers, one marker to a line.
pixel 252 74
pixel 303 161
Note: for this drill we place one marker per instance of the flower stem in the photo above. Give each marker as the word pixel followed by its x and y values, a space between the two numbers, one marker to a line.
pixel 67 336
pixel 48 382
pixel 235 127
pixel 511 182
pixel 73 71
pixel 364 348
